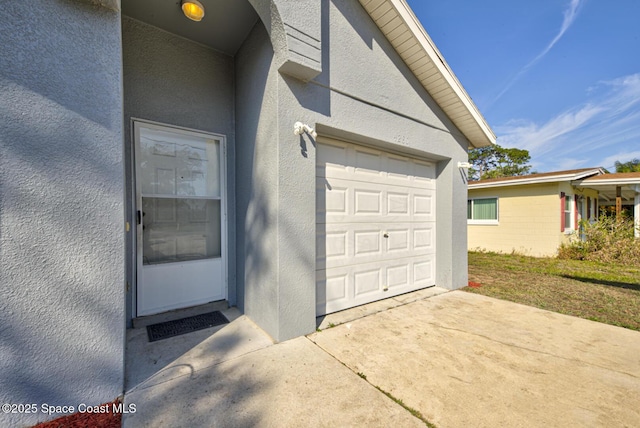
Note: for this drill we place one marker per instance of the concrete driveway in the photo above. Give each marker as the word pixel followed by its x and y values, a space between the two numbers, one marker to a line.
pixel 467 360
pixel 459 359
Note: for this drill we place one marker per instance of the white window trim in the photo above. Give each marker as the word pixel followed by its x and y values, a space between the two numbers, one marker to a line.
pixel 486 222
pixel 570 228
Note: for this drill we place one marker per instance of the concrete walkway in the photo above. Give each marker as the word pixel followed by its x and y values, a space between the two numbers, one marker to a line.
pixel 459 359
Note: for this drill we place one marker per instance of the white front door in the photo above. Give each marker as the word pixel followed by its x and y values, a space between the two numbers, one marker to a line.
pixel 180 209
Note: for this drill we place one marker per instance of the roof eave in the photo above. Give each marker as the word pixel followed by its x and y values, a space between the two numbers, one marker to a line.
pixel 604 182
pixel 541 180
pixel 467 118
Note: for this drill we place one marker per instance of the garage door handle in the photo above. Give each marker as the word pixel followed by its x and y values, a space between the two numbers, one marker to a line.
pixel 385 234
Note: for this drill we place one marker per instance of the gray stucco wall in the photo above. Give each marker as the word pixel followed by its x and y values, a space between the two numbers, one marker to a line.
pixel 257 180
pixel 63 167
pixel 365 94
pixel 375 99
pixel 61 206
pixel 171 80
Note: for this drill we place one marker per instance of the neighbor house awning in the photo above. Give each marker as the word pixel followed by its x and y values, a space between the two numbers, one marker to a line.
pixel 620 188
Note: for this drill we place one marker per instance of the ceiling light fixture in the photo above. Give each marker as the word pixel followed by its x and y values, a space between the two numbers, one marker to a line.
pixel 192 9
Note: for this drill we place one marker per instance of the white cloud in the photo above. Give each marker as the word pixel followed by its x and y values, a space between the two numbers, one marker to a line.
pixel 585 135
pixel 570 163
pixel 626 90
pixel 536 138
pixel 570 15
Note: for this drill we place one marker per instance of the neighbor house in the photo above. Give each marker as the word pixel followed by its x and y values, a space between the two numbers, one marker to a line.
pixel 535 214
pixel 531 214
pixel 289 157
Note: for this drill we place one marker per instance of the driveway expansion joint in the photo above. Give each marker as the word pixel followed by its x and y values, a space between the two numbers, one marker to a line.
pixel 415 413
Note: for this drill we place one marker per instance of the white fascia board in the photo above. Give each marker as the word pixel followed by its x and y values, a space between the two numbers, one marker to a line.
pixel 539 180
pixel 421 36
pixel 515 182
pixel 589 173
pixel 518 182
pixel 608 182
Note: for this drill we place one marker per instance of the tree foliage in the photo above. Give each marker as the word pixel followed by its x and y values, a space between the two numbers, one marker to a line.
pixel 631 166
pixel 496 161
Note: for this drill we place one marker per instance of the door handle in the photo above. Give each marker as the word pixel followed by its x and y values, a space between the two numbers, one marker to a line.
pixel 139 213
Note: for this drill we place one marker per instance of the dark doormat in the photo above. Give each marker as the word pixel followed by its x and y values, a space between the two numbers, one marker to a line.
pixel 168 329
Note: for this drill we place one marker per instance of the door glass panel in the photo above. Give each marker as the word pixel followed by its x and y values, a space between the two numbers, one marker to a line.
pixel 179 229
pixel 176 164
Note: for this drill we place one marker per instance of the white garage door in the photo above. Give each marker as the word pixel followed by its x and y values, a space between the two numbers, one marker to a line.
pixel 375 227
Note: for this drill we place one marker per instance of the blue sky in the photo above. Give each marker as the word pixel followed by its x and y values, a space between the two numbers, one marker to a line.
pixel 560 78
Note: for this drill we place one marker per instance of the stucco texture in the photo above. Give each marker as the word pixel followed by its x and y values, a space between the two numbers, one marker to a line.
pixel 61 206
pixel 66 171
pixel 256 173
pixel 173 81
pixel 365 94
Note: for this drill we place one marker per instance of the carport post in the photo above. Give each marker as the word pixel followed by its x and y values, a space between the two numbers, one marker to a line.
pixel 618 202
pixel 636 212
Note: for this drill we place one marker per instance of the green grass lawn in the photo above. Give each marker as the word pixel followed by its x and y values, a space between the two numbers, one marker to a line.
pixel 595 291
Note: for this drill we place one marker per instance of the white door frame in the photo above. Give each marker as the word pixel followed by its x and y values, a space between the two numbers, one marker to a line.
pixel 134 204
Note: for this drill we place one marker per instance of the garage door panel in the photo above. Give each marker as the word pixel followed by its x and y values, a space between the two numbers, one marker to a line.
pixel 367 202
pixel 334 246
pixel 332 291
pixel 365 176
pixel 332 156
pixel 423 207
pixel 424 238
pixel 367 243
pixel 340 156
pixel 367 163
pixel 346 244
pixel 337 200
pixel 398 276
pixel 341 200
pixel 375 231
pixel 398 203
pixel 399 169
pixel 424 173
pixel 367 282
pixel 333 200
pixel 356 285
pixel 397 240
pixel 423 273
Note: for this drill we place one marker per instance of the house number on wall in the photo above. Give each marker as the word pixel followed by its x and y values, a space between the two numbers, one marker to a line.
pixel 401 139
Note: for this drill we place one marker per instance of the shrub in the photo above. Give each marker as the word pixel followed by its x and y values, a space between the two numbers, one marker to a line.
pixel 609 240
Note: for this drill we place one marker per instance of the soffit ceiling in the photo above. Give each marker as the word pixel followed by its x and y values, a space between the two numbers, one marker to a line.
pixel 404 31
pixel 608 192
pixel 225 25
